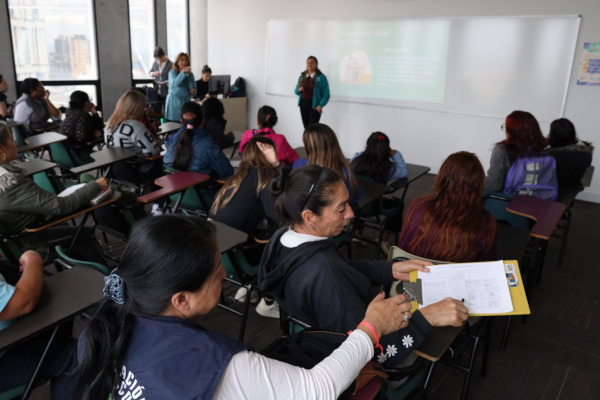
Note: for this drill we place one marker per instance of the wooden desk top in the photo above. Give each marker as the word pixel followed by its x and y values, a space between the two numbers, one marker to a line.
pixel 414 172
pixel 41 140
pixel 228 237
pixel 35 165
pixel 370 191
pixel 174 183
pixel 65 294
pixel 104 157
pixel 546 214
pixel 60 219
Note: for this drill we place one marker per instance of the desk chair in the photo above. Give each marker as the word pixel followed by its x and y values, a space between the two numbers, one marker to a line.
pixel 479 331
pixel 19 134
pixel 196 200
pixel 65 262
pixel 384 215
pixel 241 273
pixel 66 157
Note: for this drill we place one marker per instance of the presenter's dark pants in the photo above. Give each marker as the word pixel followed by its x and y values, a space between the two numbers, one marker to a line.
pixel 309 114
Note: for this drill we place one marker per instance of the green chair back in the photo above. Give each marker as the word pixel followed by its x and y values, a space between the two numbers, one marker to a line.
pixel 97 266
pixel 65 156
pixel 19 134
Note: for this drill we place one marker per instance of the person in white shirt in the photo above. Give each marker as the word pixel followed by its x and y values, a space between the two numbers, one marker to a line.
pixel 146 340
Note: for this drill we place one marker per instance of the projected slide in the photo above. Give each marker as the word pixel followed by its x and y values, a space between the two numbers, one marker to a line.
pixel 393 60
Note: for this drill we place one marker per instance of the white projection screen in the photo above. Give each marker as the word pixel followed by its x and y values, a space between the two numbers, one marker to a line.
pixel 485 66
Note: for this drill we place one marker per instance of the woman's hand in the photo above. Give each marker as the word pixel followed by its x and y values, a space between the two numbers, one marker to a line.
pixel 401 269
pixel 156 74
pixel 103 182
pixel 387 315
pixel 269 153
pixel 192 91
pixel 301 88
pixel 319 109
pixel 187 70
pixel 447 312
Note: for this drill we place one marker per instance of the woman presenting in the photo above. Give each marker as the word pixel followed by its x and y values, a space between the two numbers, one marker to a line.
pixel 313 92
pixel 182 86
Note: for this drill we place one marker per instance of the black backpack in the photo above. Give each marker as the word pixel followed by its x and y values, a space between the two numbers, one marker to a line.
pixel 239 88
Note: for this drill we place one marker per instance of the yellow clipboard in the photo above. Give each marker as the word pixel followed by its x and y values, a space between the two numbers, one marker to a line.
pixel 517 294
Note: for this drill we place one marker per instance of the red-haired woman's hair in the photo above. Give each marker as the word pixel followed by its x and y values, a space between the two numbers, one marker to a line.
pixel 453 215
pixel 523 135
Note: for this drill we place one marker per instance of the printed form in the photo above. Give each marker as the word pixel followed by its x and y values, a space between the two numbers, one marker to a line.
pixel 483 286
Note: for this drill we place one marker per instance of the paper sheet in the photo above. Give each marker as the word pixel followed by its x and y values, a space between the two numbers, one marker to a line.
pixel 483 286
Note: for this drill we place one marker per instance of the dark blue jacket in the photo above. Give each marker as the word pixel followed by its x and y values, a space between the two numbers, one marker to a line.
pixel 170 358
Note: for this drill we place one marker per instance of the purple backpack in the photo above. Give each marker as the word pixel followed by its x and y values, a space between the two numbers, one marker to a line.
pixel 533 176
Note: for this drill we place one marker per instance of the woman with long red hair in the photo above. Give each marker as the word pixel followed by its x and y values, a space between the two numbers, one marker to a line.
pixel 523 136
pixel 451 224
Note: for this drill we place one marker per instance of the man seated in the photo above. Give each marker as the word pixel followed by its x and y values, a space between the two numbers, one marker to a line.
pixel 18 363
pixel 34 108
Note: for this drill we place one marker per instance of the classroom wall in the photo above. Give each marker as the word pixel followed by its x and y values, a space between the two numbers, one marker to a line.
pixel 236 34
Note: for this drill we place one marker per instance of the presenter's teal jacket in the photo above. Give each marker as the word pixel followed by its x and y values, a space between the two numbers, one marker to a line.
pixel 180 84
pixel 320 93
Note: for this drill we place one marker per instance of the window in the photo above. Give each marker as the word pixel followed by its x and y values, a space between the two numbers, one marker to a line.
pixel 143 38
pixel 53 39
pixel 177 27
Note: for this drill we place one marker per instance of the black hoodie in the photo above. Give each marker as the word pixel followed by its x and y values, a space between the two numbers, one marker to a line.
pixel 316 284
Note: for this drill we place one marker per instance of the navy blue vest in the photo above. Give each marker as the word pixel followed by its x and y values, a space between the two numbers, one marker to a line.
pixel 170 358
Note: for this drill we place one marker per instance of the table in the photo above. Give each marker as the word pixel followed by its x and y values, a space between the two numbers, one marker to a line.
pixel 84 211
pixel 41 140
pixel 228 237
pixel 166 128
pixel 64 295
pixel 371 191
pixel 34 166
pixel 414 172
pixel 174 183
pixel 105 158
pixel 546 214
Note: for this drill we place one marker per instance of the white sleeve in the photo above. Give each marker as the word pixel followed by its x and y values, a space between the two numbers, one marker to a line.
pixel 22 114
pixel 250 375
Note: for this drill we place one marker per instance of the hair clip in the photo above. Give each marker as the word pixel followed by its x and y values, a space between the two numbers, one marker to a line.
pixel 190 126
pixel 114 287
pixel 380 138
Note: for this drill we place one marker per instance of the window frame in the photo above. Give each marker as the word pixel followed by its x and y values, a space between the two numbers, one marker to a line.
pixel 50 83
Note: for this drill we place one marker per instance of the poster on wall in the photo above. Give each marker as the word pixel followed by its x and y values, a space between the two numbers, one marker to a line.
pixel 589 72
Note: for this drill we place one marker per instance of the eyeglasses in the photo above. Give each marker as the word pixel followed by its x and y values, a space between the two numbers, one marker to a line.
pixel 310 191
pixel 503 127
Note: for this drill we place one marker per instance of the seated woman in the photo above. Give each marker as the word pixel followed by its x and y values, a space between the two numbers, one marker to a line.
pixel 19 293
pixel 266 120
pixel 124 129
pixel 82 124
pixel 23 203
pixel 4 107
pixel 34 108
pixel 523 137
pixel 572 155
pixel 192 149
pixel 451 224
pixel 323 149
pixel 245 198
pixel 202 84
pixel 147 341
pixel 310 279
pixel 379 161
pixel 214 123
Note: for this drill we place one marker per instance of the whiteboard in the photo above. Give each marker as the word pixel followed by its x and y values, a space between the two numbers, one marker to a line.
pixel 484 66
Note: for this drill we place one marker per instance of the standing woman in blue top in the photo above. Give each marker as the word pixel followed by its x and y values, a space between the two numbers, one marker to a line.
pixel 182 86
pixel 379 161
pixel 313 92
